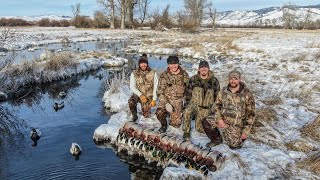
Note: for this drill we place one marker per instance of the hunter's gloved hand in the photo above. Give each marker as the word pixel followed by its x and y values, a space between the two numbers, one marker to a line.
pixel 153 103
pixel 169 108
pixel 186 136
pixel 143 98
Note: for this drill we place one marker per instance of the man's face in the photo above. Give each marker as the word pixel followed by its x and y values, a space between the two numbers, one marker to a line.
pixel 234 82
pixel 173 67
pixel 204 71
pixel 143 66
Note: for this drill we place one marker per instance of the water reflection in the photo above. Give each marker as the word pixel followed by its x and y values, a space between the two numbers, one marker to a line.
pixel 140 168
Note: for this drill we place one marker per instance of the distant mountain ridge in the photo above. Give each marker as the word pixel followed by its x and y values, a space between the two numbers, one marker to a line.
pixel 39 17
pixel 271 16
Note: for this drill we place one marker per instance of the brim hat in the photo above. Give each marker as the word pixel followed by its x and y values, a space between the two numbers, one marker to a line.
pixel 173 60
pixel 235 74
pixel 204 64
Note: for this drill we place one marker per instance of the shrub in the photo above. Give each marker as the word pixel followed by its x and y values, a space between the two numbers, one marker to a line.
pixel 45 22
pixel 82 22
pixel 59 61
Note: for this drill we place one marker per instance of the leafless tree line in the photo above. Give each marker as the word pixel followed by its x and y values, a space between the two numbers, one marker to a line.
pixel 290 20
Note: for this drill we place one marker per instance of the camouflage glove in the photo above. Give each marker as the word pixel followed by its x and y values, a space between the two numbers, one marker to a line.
pixel 153 103
pixel 169 107
pixel 143 98
pixel 186 136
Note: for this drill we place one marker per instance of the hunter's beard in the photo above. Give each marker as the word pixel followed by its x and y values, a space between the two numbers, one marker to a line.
pixel 234 85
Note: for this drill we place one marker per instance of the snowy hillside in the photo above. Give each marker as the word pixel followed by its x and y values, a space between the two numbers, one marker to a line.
pixel 37 18
pixel 272 16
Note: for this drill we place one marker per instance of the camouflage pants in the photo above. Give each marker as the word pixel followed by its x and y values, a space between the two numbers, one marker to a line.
pixel 200 114
pixel 146 109
pixel 175 116
pixel 231 135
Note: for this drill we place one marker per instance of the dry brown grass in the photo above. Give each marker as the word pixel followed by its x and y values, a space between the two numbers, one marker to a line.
pixel 313 45
pixel 304 69
pixel 311 163
pixel 276 100
pixel 300 57
pixel 26 67
pixel 272 66
pixel 266 114
pixel 316 87
pixel 293 77
pixel 317 56
pixel 222 41
pixel 299 145
pixel 312 130
pixel 60 61
pixel 95 55
pixel 304 95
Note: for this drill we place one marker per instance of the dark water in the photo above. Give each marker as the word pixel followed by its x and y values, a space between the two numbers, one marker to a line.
pixel 76 122
pixel 82 114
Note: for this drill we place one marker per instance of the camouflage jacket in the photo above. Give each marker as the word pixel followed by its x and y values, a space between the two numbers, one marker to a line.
pixel 172 86
pixel 145 81
pixel 202 92
pixel 236 109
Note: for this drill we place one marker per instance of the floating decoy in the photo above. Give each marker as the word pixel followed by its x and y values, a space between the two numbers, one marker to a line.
pixel 75 150
pixel 62 94
pixel 100 76
pixel 58 106
pixel 35 135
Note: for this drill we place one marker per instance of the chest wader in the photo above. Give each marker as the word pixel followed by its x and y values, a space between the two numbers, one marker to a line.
pixel 145 84
pixel 233 111
pixel 174 94
pixel 202 100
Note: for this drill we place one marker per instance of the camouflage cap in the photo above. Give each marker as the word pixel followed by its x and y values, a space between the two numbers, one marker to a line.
pixel 203 64
pixel 173 60
pixel 235 74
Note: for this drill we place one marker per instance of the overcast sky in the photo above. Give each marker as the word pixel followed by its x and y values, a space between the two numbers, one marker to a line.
pixel 63 7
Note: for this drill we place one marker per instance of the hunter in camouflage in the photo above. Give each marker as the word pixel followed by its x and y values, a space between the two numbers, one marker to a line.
pixel 143 84
pixel 233 116
pixel 171 93
pixel 202 91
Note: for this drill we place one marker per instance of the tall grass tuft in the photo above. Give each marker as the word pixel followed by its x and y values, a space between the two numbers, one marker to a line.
pixel 60 61
pixel 114 83
pixel 311 163
pixel 312 130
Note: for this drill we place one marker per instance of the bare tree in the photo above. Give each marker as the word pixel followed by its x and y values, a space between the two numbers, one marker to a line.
pixel 100 20
pixel 288 15
pixel 123 13
pixel 196 9
pixel 131 4
pixel 109 5
pixel 76 10
pixel 307 19
pixel 212 12
pixel 165 19
pixel 143 10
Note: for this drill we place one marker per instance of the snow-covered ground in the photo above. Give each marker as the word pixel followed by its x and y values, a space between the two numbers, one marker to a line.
pixel 281 67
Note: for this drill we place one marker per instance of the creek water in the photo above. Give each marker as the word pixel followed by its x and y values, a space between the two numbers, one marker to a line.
pixel 82 113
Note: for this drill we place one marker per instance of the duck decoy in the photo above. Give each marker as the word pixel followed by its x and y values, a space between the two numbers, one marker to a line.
pixel 35 135
pixel 75 150
pixel 58 106
pixel 62 94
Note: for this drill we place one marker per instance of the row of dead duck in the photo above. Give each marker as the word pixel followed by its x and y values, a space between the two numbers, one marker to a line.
pixel 155 146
